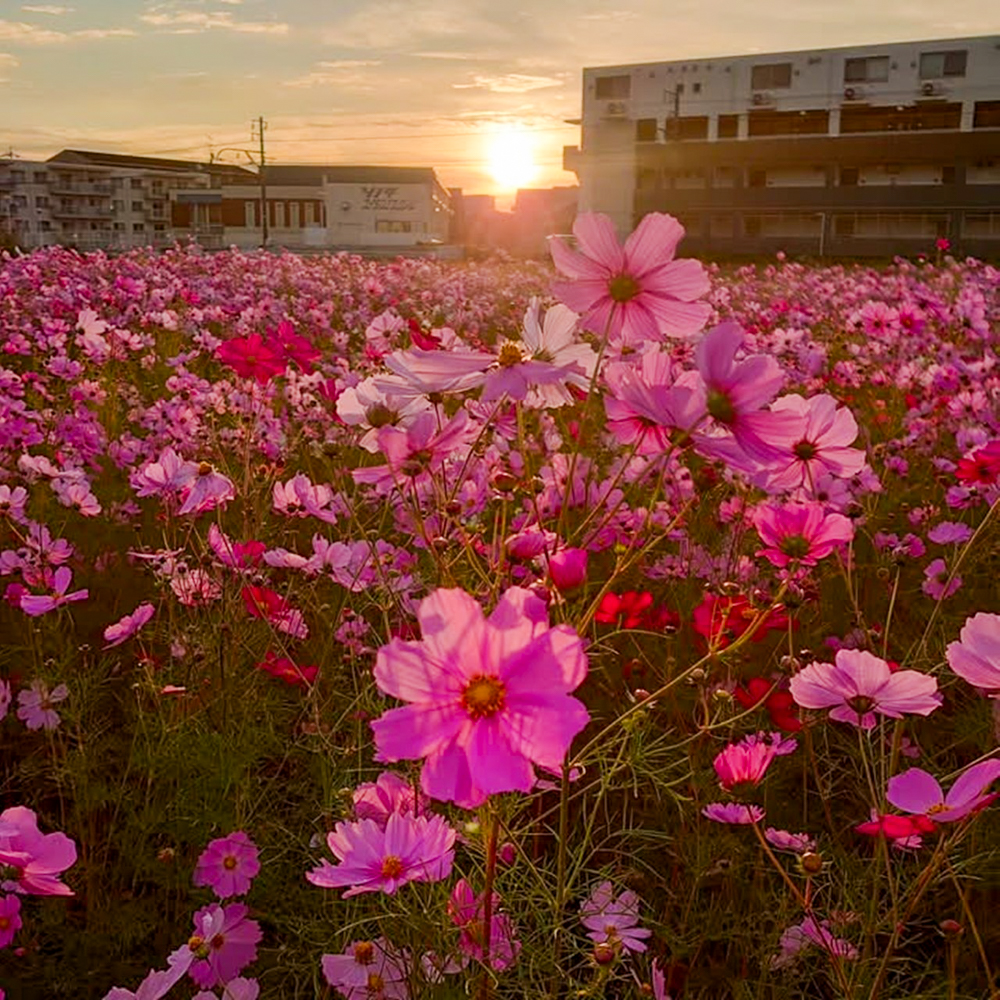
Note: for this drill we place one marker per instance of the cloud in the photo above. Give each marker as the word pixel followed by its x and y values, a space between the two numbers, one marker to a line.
pixel 610 15
pixel 336 72
pixel 45 8
pixel 187 22
pixel 461 56
pixel 20 33
pixel 511 83
pixel 7 61
pixel 103 33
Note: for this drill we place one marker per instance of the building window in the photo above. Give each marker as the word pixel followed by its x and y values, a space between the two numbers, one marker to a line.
pixel 251 214
pixel 138 227
pixel 119 227
pixel 870 69
pixel 613 88
pixel 986 114
pixel 897 225
pixel 136 183
pixel 843 225
pixel 136 206
pixel 913 118
pixel 392 226
pixel 41 201
pixel 729 126
pixel 751 225
pixel 696 88
pixel 40 177
pixel 982 225
pixel 939 64
pixel 763 123
pixel 849 176
pixel 687 127
pixel 769 76
pixel 948 174
pixel 645 130
pixel 159 227
pixel 721 226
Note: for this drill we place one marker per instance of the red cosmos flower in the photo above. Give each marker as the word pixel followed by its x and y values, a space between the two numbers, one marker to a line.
pixel 721 620
pixel 634 609
pixel 290 346
pixel 251 357
pixel 287 670
pixel 983 468
pixel 780 705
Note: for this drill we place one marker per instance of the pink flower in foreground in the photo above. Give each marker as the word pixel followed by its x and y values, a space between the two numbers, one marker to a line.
pixel 743 765
pixel 252 357
pixel 158 983
pixel 489 697
pixel 859 685
pixel 637 291
pixel 228 865
pixel 799 533
pixel 10 919
pixel 612 920
pixel 208 490
pixel 976 655
pixel 467 912
pixel 127 626
pixel 34 705
pixel 915 791
pixel 37 859
pixel 368 970
pixel 39 604
pixel 733 812
pixel 376 859
pixel 6 695
pixel 224 942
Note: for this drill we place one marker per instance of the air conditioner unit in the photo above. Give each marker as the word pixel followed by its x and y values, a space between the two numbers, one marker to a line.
pixel 616 108
pixel 931 89
pixel 853 93
pixel 760 99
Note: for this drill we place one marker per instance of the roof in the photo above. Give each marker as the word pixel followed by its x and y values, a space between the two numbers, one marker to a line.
pixel 126 160
pixel 318 174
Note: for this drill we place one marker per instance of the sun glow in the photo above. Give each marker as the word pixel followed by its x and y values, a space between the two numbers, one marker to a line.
pixel 511 158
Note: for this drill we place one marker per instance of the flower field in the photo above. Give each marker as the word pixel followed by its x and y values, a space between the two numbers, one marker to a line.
pixel 616 627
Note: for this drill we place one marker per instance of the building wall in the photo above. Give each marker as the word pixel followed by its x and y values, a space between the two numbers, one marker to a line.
pixel 797 132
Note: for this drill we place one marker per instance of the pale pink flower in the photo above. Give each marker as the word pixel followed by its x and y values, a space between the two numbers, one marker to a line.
pixel 390 793
pixel 614 919
pixel 195 587
pixel 939 583
pixel 34 705
pixel 554 340
pixel 168 476
pixel 39 604
pixel 743 765
pixel 371 405
pixel 224 942
pixel 637 291
pixel 128 625
pixel 368 970
pixel 917 792
pixel 467 912
pixel 735 813
pixel 975 657
pixel 858 685
pixel 208 490
pixel 797 843
pixel 37 859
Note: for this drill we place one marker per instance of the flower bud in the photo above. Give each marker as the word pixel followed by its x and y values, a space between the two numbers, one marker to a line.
pixel 604 953
pixel 568 568
pixel 507 854
pixel 811 863
pixel 951 928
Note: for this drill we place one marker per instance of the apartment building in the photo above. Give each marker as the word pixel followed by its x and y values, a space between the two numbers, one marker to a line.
pixel 864 151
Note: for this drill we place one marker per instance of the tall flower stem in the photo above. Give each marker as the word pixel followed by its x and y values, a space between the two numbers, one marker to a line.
pixel 560 876
pixel 492 831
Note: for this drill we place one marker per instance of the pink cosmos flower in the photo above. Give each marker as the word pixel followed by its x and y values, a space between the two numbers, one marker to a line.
pixel 859 685
pixel 799 533
pixel 228 865
pixel 368 970
pixel 6 696
pixel 819 443
pixel 659 982
pixel 797 843
pixel 733 812
pixel 37 859
pixel 168 476
pixel 743 765
pixel 939 583
pixel 426 372
pixel 371 405
pixel 236 989
pixel 376 859
pixel 568 568
pixel 915 791
pixel 240 556
pixel 34 705
pixel 128 626
pixel 209 489
pixel 488 697
pixel 976 655
pixel 224 942
pixel 39 604
pixel 251 357
pixel 612 920
pixel 10 919
pixel 553 340
pixel 637 291
pixel 903 832
pixel 467 912
pixel 158 983
pixel 390 793
pixel 811 931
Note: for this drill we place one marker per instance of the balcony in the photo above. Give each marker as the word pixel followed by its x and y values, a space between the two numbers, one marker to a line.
pixel 58 186
pixel 80 212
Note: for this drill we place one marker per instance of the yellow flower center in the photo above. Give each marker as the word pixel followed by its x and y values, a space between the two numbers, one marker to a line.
pixel 229 863
pixel 204 468
pixel 484 696
pixel 392 867
pixel 375 983
pixel 510 354
pixel 623 287
pixel 364 952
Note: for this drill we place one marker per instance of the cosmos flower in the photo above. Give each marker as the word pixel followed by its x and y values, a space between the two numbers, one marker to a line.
pixel 735 813
pixel 368 970
pixel 228 865
pixel 37 859
pixel 488 697
pixel 381 859
pixel 224 942
pixel 743 765
pixel 34 705
pixel 467 912
pixel 128 625
pixel 858 685
pixel 799 533
pixel 39 604
pixel 917 792
pixel 975 657
pixel 614 920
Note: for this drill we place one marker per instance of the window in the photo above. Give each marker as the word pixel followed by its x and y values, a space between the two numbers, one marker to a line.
pixel 41 177
pixel 986 115
pixel 645 130
pixel 136 183
pixel 687 127
pixel 613 88
pixel 118 206
pixel 160 227
pixel 948 174
pixel 939 64
pixel 763 123
pixel 679 89
pixel 41 201
pixel 392 226
pixel 912 118
pixel 849 176
pixel 119 227
pixel 843 225
pixel 751 225
pixel 768 76
pixel 138 227
pixel 136 206
pixel 696 88
pixel 251 212
pixel 729 126
pixel 982 225
pixel 870 69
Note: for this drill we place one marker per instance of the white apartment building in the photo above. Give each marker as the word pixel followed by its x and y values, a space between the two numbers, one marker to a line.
pixel 868 150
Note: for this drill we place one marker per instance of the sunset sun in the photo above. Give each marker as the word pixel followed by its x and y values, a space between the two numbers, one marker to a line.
pixel 511 159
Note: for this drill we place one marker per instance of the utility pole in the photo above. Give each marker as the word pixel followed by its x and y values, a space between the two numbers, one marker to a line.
pixel 260 125
pixel 676 95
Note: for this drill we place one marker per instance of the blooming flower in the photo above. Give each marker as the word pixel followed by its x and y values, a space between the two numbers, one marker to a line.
pixel 779 703
pixel 209 489
pixel 37 859
pixel 39 604
pixel 368 970
pixel 637 291
pixel 612 920
pixel 251 357
pixel 811 931
pixel 916 791
pixel 489 697
pixel 224 942
pixel 742 764
pixel 10 919
pixel 799 533
pixel 228 865
pixel 733 812
pixel 797 843
pixel 939 583
pixel 722 620
pixel 553 340
pixel 128 626
pixel 287 670
pixel 381 859
pixel 467 912
pixel 389 793
pixel 975 657
pixel 34 705
pixel 858 685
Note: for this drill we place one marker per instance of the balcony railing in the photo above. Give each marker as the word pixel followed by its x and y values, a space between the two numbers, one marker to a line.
pixel 79 187
pixel 80 212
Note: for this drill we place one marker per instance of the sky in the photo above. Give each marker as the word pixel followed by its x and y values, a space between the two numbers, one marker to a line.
pixel 478 89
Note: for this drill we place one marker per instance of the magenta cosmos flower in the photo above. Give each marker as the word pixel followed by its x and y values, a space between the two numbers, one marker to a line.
pixel 368 969
pixel 468 912
pixel 743 764
pixel 976 655
pixel 381 859
pixel 128 626
pixel 488 697
pixel 614 920
pixel 799 533
pixel 224 942
pixel 637 291
pixel 917 792
pixel 228 865
pixel 37 859
pixel 859 685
